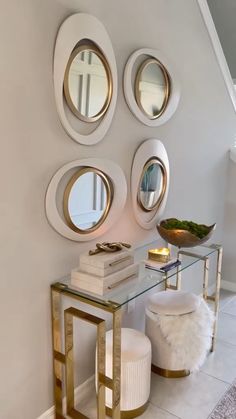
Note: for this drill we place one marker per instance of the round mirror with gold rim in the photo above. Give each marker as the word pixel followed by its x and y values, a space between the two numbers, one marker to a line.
pixel 152 88
pixel 88 83
pixel 152 185
pixel 87 200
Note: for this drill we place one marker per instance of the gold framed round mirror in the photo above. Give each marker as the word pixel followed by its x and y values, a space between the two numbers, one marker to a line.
pixel 87 200
pixel 152 88
pixel 152 184
pixel 88 83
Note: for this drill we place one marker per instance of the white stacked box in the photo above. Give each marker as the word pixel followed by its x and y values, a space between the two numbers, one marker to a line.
pixel 104 272
pixel 103 264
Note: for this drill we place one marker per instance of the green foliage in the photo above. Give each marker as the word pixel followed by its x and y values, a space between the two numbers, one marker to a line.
pixel 199 230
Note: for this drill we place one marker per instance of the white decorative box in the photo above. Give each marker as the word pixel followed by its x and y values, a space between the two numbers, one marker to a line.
pixel 102 285
pixel 103 264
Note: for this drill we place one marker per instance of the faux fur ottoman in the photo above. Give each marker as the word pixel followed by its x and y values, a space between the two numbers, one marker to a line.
pixel 179 325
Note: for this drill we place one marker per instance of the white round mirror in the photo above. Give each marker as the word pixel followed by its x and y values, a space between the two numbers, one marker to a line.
pixel 152 88
pixel 87 200
pixel 152 185
pixel 88 83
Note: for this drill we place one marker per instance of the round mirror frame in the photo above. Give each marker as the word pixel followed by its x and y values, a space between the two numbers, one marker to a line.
pixel 130 72
pixel 167 86
pixel 153 160
pixel 66 89
pixel 109 191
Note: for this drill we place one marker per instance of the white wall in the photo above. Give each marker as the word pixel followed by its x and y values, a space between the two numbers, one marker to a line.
pixel 224 16
pixel 34 146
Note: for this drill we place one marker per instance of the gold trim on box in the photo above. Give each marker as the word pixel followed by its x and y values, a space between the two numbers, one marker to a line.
pixel 170 373
pixel 109 191
pixel 129 414
pixel 76 112
pixel 153 160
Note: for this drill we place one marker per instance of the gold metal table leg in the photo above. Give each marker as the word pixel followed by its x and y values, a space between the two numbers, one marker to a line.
pixel 217 295
pixel 58 357
pixel 116 367
pixel 69 360
pixel 205 279
pixel 101 369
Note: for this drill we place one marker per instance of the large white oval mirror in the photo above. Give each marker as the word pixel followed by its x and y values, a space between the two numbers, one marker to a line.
pixel 152 88
pixel 152 185
pixel 87 200
pixel 88 83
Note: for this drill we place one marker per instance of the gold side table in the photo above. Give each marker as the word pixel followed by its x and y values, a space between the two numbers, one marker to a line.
pixel 63 357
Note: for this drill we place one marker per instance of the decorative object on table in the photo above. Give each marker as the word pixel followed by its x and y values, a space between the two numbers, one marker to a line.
pixel 180 326
pixel 103 263
pixel 105 268
pixel 160 267
pixel 184 233
pixel 103 284
pixel 159 255
pixel 135 372
pixel 109 247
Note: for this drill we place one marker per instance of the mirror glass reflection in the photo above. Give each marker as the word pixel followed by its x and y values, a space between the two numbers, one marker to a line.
pixel 152 185
pixel 87 200
pixel 152 88
pixel 87 84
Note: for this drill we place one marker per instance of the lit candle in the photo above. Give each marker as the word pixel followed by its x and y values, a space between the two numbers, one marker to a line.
pixel 159 255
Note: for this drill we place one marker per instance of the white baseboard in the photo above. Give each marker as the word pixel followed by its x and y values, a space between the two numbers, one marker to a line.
pixel 80 393
pixel 228 285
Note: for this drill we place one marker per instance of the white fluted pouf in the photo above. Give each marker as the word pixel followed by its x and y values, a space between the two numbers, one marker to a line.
pixel 135 371
pixel 179 325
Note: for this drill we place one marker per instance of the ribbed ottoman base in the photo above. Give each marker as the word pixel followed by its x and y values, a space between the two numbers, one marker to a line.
pixel 128 414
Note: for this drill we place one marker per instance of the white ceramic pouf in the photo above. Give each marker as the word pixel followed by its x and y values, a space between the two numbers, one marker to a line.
pixel 179 325
pixel 135 371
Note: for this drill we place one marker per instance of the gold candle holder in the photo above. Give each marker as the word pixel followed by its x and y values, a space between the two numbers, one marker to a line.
pixel 159 255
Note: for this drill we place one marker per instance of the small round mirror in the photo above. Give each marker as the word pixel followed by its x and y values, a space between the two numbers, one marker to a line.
pixel 87 200
pixel 152 185
pixel 152 88
pixel 88 83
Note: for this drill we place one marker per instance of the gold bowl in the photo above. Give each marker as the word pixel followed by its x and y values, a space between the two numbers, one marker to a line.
pixel 183 238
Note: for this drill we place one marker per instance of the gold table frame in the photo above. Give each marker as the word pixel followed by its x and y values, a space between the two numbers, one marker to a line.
pixel 65 359
pixel 213 298
pixel 61 359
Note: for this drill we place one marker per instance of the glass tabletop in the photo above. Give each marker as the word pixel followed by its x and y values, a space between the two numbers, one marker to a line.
pixel 146 280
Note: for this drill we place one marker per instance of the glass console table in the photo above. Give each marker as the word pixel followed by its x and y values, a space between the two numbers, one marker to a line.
pixel 113 303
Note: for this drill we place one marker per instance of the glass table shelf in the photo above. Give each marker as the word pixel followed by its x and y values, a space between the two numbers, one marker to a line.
pixel 112 302
pixel 146 280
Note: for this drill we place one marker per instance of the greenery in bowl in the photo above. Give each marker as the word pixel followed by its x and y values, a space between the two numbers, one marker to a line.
pixel 199 230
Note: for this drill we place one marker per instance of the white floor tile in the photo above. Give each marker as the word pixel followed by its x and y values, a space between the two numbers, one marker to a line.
pixel 89 408
pixel 230 307
pixel 222 363
pixel 192 397
pixel 153 412
pixel 226 296
pixel 227 328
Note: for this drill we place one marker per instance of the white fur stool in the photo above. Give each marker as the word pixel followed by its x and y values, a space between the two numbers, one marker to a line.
pixel 179 325
pixel 135 372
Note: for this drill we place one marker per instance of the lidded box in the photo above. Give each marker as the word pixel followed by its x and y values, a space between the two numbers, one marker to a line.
pixel 104 263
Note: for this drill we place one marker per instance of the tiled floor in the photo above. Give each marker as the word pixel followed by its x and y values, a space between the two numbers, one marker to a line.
pixel 193 397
